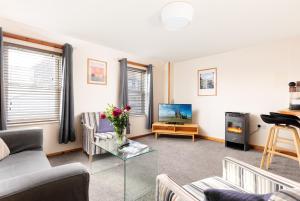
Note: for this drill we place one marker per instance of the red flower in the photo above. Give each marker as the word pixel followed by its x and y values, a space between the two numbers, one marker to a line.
pixel 116 112
pixel 103 116
pixel 127 107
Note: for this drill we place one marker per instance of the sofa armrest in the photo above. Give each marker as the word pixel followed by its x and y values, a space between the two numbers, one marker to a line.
pixel 253 179
pixel 167 188
pixel 20 140
pixel 62 183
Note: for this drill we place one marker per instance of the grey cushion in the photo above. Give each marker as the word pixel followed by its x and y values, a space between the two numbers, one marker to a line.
pixel 23 163
pixel 230 195
pixel 21 140
pixel 62 183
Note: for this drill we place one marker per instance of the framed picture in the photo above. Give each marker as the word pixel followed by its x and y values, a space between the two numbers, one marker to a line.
pixel 97 72
pixel 207 82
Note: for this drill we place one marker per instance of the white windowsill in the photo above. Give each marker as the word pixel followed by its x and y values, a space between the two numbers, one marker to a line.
pixel 32 123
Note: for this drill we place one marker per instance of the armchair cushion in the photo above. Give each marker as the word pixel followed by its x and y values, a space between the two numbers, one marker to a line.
pixel 104 126
pixel 21 140
pixel 197 188
pixel 104 136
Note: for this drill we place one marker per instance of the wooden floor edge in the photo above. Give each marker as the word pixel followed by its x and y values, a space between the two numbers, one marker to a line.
pixel 205 137
pixel 284 151
pixel 214 139
pixel 64 152
pixel 253 146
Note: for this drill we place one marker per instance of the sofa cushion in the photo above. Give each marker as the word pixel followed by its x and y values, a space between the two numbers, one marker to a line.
pixel 23 163
pixel 104 136
pixel 230 195
pixel 197 188
pixel 104 126
pixel 4 150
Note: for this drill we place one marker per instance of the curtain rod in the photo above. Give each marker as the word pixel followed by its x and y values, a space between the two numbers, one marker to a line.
pixel 137 64
pixel 32 40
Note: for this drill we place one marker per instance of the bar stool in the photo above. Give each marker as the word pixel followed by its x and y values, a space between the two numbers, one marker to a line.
pixel 289 123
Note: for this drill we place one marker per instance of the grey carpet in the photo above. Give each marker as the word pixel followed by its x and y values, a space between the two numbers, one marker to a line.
pixel 182 160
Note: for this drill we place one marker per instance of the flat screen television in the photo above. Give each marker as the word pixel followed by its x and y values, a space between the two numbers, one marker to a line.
pixel 175 113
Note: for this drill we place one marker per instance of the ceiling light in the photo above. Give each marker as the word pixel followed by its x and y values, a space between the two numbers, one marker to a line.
pixel 177 15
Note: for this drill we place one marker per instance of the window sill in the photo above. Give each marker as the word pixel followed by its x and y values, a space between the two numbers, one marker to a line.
pixel 32 123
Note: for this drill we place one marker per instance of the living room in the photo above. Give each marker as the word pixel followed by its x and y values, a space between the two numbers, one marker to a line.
pixel 201 60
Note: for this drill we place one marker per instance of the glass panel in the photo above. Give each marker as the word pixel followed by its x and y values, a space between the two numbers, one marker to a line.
pixel 109 170
pixel 140 177
pixel 111 146
pixel 235 127
pixel 125 178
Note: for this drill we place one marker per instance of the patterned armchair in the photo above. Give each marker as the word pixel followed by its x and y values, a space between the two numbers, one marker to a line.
pixel 237 176
pixel 95 129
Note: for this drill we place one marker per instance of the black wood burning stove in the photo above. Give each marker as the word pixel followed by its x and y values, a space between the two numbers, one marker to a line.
pixel 237 130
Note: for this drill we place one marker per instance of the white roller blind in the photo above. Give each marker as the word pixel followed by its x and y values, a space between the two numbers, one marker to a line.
pixel 137 90
pixel 32 84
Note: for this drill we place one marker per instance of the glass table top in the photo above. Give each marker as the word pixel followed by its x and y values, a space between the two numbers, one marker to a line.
pixel 132 150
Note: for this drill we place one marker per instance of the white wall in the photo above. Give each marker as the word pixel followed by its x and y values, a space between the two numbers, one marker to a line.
pixel 88 97
pixel 253 80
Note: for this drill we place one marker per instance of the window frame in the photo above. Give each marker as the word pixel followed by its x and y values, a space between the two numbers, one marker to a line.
pixel 59 87
pixel 144 93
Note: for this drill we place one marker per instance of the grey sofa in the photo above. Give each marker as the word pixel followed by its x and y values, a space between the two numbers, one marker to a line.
pixel 26 174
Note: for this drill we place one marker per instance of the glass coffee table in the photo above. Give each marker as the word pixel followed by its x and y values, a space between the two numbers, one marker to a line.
pixel 129 172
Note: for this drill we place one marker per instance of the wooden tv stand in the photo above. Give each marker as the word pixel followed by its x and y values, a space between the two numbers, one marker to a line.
pixel 175 129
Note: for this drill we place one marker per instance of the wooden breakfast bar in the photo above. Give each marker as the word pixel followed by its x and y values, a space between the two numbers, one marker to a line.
pixel 272 148
pixel 290 112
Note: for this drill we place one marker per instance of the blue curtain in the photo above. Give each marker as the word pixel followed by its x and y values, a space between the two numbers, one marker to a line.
pixel 2 88
pixel 67 130
pixel 150 92
pixel 123 96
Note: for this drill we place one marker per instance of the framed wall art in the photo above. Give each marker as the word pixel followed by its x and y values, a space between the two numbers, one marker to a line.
pixel 97 72
pixel 207 82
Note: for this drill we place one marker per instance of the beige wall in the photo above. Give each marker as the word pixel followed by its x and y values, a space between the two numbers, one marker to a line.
pixel 89 97
pixel 253 80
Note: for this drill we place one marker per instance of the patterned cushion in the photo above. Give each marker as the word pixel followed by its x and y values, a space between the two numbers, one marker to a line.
pixel 230 195
pixel 104 136
pixel 292 194
pixel 4 150
pixel 197 188
pixel 104 126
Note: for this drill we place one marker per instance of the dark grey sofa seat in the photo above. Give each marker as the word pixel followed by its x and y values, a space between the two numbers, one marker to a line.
pixel 26 175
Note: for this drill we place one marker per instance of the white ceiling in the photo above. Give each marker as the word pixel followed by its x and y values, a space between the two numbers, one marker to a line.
pixel 134 25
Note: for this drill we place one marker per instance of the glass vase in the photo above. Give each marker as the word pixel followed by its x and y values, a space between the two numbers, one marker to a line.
pixel 120 137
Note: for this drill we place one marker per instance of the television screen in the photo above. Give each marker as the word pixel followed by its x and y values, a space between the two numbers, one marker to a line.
pixel 175 113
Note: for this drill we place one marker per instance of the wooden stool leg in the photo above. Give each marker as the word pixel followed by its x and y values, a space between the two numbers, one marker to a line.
pixel 270 147
pixel 262 163
pixel 273 148
pixel 297 143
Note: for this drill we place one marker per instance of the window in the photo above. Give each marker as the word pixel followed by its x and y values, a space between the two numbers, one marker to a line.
pixel 32 84
pixel 137 90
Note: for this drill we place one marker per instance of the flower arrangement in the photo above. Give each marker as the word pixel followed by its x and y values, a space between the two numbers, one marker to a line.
pixel 119 118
